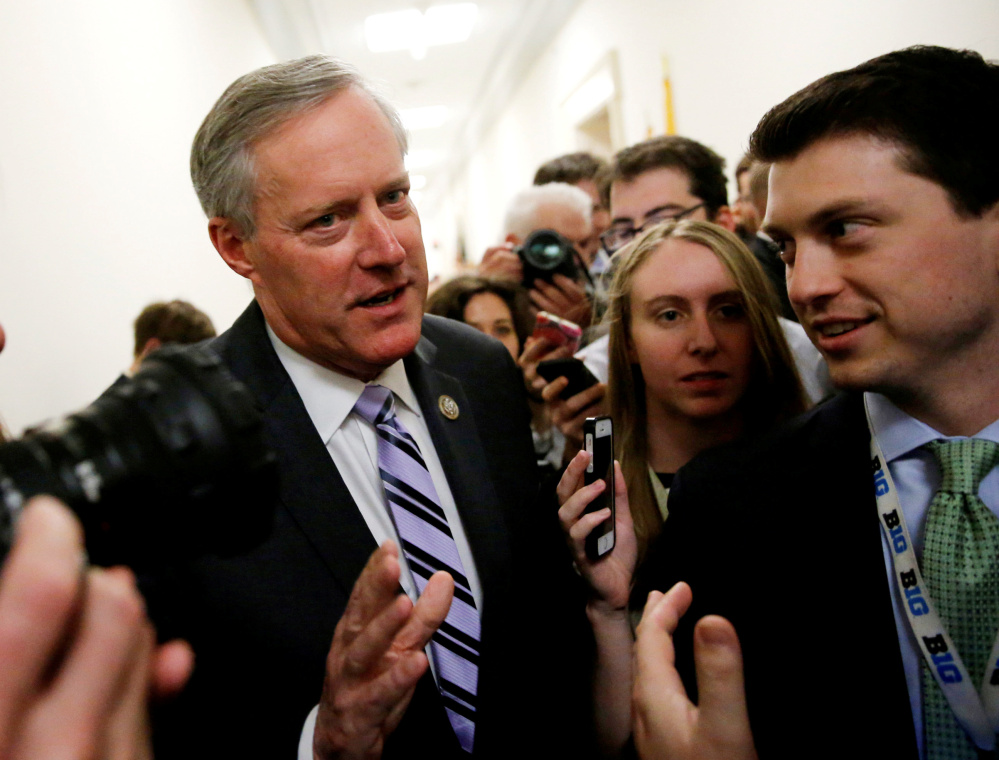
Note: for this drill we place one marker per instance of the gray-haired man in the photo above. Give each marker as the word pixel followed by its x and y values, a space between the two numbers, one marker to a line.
pixel 299 167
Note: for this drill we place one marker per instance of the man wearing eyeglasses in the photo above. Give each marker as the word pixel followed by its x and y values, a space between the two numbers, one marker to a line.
pixel 665 178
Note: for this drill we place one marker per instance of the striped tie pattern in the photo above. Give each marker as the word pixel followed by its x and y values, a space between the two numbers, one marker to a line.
pixel 429 546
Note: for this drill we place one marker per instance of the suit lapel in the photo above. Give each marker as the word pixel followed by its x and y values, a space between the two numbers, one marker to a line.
pixel 869 645
pixel 311 488
pixel 463 459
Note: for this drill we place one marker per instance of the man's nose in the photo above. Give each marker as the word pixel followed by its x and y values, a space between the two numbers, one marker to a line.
pixel 813 277
pixel 377 240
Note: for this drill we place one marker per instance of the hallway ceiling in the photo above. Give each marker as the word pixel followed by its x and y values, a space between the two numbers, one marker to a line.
pixel 474 79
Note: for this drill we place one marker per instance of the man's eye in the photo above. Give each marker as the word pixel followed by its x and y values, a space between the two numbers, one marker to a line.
pixel 326 220
pixel 842 227
pixel 785 250
pixel 396 196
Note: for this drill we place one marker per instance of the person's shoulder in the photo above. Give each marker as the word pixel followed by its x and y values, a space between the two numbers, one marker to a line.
pixel 813 438
pixel 457 344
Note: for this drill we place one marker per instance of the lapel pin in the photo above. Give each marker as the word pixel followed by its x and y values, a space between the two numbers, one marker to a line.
pixel 448 407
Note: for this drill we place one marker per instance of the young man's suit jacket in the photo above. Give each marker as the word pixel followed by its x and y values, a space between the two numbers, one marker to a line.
pixel 782 538
pixel 262 624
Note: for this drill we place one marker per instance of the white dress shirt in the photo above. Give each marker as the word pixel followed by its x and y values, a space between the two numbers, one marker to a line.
pixel 329 399
pixel 917 478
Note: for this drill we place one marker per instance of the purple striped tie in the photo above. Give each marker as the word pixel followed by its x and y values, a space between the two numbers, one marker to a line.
pixel 429 546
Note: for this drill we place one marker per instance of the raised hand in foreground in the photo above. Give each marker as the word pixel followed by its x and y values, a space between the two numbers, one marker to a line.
pixel 667 725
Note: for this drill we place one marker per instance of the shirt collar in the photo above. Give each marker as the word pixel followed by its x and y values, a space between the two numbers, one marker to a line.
pixel 899 434
pixel 330 396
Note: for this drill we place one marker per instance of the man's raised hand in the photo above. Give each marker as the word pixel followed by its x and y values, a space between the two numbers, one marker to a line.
pixel 376 658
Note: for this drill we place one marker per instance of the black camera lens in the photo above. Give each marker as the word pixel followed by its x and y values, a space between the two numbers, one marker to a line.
pixel 544 250
pixel 546 253
pixel 168 464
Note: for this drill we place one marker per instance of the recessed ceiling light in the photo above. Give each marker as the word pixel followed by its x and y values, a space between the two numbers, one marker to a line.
pixel 415 31
pixel 425 117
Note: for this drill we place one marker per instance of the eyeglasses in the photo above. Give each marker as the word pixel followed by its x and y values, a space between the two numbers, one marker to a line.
pixel 618 237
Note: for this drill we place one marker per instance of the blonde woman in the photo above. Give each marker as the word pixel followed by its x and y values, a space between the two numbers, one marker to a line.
pixel 697 358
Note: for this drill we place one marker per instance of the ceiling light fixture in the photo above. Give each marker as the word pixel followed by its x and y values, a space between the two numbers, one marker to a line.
pixel 415 31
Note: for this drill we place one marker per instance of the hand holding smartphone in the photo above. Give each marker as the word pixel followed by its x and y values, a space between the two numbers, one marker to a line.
pixel 598 441
pixel 557 331
pixel 580 378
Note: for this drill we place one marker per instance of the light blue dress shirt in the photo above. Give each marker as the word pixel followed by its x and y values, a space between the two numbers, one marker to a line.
pixel 917 478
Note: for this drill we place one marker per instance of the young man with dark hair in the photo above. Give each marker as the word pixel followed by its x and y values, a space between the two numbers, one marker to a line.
pixel 857 553
pixel 695 168
pixel 166 322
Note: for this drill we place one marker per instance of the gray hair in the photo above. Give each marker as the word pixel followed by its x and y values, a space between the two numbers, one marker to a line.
pixel 522 210
pixel 251 108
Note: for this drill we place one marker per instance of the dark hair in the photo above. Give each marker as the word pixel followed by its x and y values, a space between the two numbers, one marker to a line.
pixel 172 322
pixel 704 167
pixel 940 106
pixel 451 298
pixel 570 169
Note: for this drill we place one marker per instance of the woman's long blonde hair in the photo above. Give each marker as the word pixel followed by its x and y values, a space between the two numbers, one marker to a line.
pixel 774 393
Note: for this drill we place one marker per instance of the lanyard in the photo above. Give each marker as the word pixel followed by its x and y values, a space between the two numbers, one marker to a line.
pixel 976 711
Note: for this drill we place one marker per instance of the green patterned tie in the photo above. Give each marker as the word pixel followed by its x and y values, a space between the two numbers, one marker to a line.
pixel 961 569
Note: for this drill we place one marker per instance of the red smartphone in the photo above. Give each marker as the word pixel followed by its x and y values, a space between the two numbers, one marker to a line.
pixel 557 331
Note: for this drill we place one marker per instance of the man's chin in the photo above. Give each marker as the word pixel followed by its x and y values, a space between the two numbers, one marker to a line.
pixel 387 348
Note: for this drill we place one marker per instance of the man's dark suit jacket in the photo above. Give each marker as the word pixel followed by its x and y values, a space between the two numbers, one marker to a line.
pixel 782 538
pixel 261 624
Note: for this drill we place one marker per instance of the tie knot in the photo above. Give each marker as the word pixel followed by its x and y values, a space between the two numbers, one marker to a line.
pixel 376 404
pixel 963 463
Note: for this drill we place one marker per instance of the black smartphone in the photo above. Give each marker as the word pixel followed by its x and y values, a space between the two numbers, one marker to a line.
pixel 580 378
pixel 598 440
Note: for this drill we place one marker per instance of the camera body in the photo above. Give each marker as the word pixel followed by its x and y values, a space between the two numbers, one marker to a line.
pixel 545 253
pixel 168 464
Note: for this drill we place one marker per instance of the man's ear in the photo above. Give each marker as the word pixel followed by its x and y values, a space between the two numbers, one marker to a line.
pixel 231 245
pixel 151 345
pixel 724 218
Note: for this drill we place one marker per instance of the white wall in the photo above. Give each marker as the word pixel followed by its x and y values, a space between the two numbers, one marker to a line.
pixel 729 62
pixel 100 101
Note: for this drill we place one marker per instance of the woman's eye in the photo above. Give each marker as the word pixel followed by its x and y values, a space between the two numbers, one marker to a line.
pixel 670 315
pixel 732 310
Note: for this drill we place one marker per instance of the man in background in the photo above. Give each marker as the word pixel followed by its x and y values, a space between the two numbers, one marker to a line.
pixel 561 208
pixel 587 172
pixel 166 322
